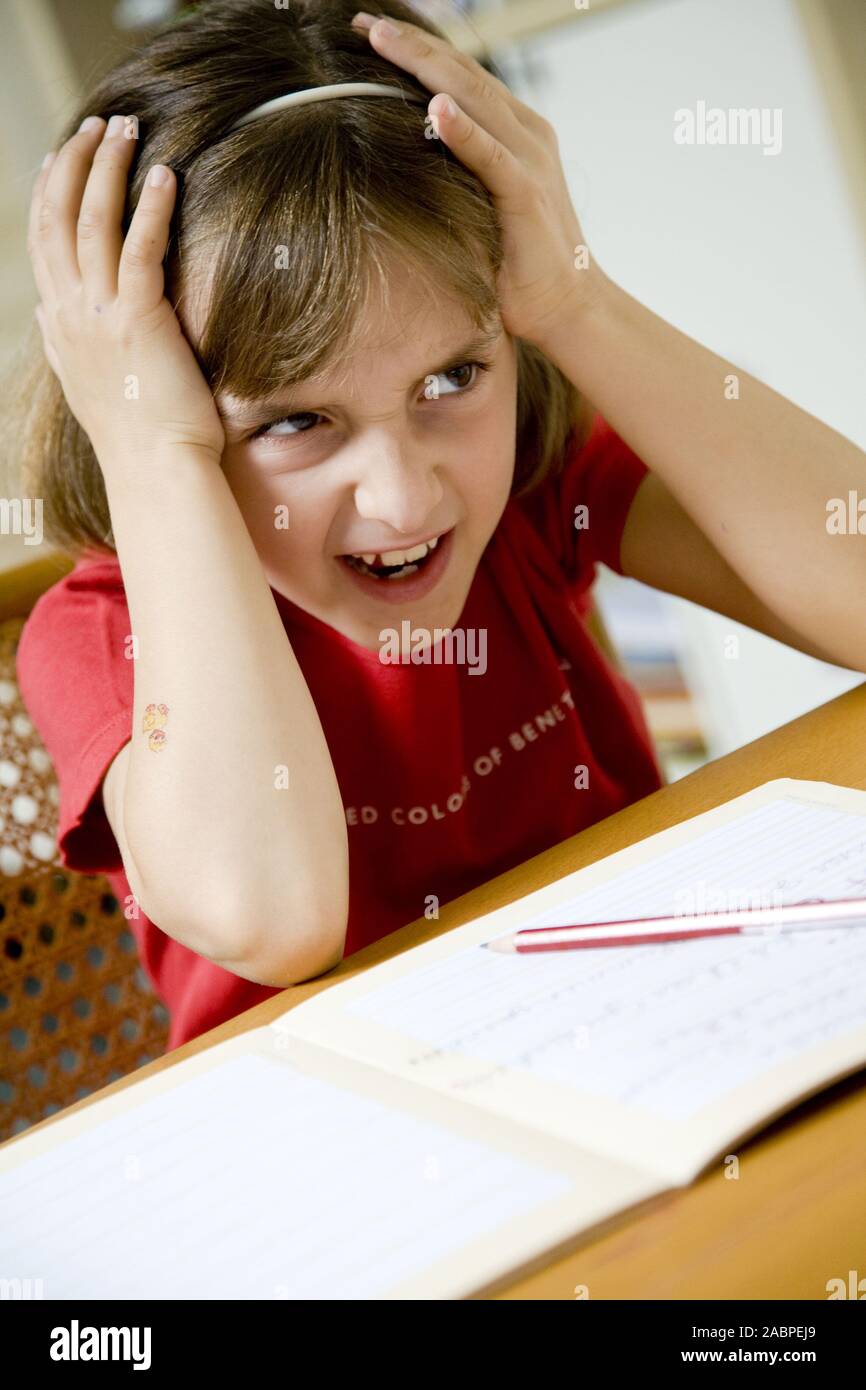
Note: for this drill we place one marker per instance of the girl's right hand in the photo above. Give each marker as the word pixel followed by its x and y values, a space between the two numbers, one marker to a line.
pixel 114 341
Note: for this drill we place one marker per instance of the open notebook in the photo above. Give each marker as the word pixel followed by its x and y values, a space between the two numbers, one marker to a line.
pixel 453 1115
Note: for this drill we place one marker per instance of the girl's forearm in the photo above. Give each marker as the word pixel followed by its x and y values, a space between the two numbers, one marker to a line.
pixel 232 812
pixel 754 471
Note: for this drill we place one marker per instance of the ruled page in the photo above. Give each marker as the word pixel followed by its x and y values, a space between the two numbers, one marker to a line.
pixel 663 1030
pixel 667 1027
pixel 256 1181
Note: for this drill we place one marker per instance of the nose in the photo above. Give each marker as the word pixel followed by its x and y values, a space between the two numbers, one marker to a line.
pixel 397 487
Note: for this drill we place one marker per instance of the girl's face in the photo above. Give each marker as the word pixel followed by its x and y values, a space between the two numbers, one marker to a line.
pixel 412 442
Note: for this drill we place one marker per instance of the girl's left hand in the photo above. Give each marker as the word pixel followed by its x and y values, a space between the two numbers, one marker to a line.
pixel 515 154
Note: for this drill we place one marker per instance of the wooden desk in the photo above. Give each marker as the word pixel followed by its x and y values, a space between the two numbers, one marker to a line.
pixel 796 1216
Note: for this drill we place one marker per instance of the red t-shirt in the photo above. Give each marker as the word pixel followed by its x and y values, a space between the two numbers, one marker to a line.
pixel 448 778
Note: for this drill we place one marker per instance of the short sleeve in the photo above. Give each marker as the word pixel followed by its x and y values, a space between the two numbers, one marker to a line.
pixel 582 508
pixel 76 681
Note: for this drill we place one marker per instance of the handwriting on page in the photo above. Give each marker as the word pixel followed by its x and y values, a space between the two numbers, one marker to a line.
pixel 672 1027
pixel 254 1180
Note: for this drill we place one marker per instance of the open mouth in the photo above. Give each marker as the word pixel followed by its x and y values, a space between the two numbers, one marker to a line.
pixel 402 576
pixel 402 563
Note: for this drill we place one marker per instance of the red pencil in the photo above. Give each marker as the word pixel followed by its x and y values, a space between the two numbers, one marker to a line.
pixel 809 914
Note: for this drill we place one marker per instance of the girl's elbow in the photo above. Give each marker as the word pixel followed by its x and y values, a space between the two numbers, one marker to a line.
pixel 280 944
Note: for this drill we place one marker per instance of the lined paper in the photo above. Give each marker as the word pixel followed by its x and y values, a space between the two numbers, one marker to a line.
pixel 255 1181
pixel 668 1028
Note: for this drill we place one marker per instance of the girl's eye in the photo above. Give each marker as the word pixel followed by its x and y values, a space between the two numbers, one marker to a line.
pixel 269 431
pixel 431 392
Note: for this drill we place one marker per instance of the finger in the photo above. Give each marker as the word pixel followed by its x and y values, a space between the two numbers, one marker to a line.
pixel 34 248
pixel 405 31
pixel 495 165
pixel 100 235
pixel 57 215
pixel 140 279
pixel 50 354
pixel 441 67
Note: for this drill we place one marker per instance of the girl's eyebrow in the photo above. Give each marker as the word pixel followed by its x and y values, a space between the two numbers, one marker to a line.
pixel 252 412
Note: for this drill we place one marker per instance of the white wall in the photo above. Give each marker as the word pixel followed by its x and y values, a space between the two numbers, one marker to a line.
pixel 757 256
pixel 37 88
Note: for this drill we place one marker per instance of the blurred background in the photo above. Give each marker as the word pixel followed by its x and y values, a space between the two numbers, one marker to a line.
pixel 763 259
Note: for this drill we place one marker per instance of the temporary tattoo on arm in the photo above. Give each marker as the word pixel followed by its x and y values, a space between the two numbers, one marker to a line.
pixel 152 724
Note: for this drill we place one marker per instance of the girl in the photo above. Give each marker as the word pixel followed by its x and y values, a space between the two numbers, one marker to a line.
pixel 353 404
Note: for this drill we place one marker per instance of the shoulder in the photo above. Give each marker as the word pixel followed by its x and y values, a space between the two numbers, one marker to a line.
pixel 93 583
pixel 75 629
pixel 92 573
pixel 581 506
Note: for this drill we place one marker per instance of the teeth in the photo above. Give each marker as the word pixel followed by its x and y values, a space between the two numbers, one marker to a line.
pixel 401 574
pixel 399 557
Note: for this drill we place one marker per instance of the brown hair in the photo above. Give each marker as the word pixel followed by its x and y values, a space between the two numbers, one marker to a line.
pixel 339 184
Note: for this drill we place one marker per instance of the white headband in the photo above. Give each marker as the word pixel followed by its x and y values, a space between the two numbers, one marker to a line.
pixel 335 89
